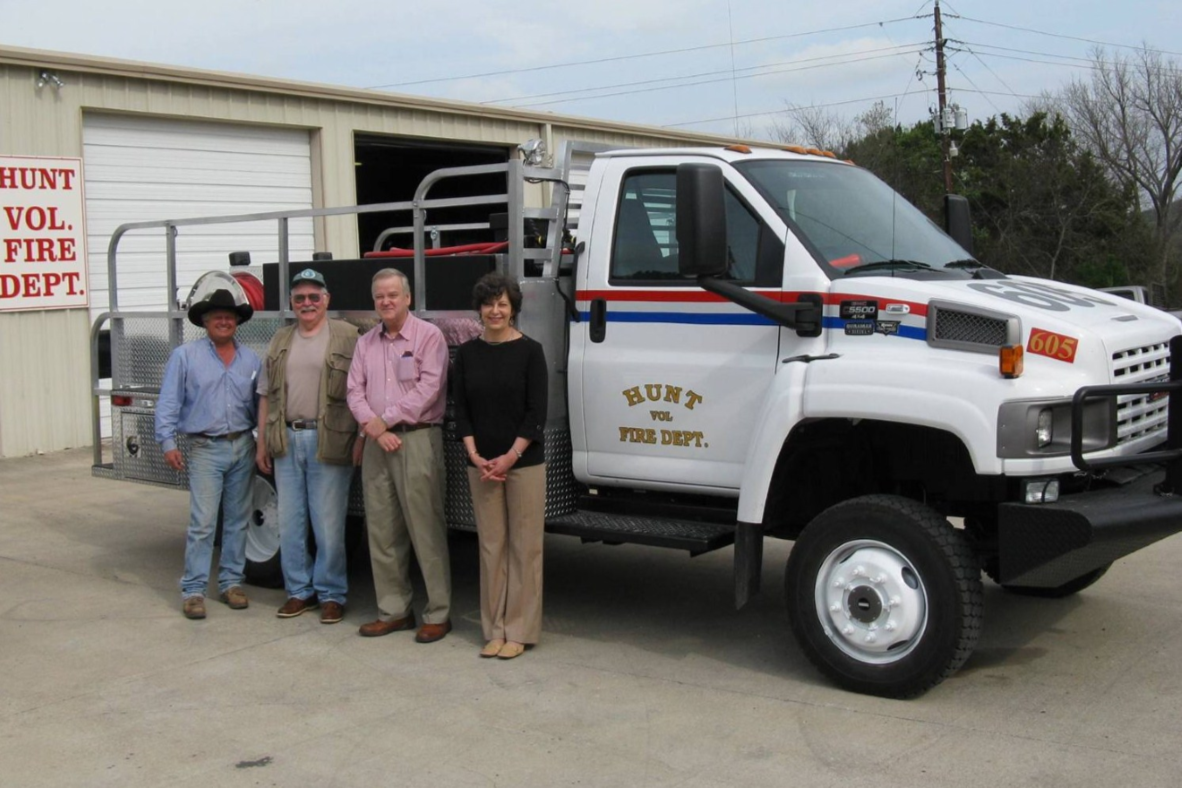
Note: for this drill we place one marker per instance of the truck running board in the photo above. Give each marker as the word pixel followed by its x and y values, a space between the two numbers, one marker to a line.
pixel 696 537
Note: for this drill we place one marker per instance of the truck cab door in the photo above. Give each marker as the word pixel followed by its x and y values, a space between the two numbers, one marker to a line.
pixel 666 378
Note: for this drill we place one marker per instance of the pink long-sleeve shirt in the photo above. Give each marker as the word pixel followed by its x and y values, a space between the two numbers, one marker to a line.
pixel 400 377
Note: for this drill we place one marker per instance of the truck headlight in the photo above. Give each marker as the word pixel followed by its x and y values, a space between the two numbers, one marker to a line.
pixel 1042 428
pixel 1045 431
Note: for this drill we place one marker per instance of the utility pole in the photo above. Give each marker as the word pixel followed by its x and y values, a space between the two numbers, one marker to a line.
pixel 945 132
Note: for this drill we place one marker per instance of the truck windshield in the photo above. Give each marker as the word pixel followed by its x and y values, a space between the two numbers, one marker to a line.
pixel 854 223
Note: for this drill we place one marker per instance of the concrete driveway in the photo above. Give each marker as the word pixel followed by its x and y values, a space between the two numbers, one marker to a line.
pixel 646 676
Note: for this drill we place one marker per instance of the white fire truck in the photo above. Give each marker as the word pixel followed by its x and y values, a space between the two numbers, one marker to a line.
pixel 750 344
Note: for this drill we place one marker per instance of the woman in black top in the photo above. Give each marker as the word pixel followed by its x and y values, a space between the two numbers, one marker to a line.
pixel 500 388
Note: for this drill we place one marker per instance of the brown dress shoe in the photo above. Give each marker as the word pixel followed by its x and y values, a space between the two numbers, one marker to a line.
pixel 235 597
pixel 429 633
pixel 331 612
pixel 375 629
pixel 193 607
pixel 294 607
pixel 492 648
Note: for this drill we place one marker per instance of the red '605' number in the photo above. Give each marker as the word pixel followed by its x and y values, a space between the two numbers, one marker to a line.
pixel 1052 345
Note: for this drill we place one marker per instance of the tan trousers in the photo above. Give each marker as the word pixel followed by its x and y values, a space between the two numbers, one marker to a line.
pixel 403 509
pixel 511 522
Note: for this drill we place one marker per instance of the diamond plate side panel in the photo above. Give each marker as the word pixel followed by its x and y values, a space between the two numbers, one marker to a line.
pixel 140 346
pixel 562 490
pixel 561 487
pixel 139 351
pixel 136 427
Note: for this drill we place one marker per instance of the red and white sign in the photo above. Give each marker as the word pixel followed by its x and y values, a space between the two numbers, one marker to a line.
pixel 1052 345
pixel 42 233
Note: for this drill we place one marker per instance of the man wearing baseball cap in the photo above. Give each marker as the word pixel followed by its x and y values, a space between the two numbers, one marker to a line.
pixel 208 395
pixel 307 435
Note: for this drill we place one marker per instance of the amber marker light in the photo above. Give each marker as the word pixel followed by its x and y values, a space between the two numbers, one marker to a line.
pixel 1010 361
pixel 738 148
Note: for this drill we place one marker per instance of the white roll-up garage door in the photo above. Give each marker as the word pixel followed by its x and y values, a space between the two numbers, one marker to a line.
pixel 140 168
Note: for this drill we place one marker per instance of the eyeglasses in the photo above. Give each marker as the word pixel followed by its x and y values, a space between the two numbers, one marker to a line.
pixel 311 298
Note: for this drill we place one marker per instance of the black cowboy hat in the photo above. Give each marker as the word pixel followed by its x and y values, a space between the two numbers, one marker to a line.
pixel 219 299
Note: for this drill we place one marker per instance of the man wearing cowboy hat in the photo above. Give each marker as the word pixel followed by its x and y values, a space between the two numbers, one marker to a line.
pixel 208 394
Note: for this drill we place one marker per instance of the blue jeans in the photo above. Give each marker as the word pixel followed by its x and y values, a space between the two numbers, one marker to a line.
pixel 220 472
pixel 307 489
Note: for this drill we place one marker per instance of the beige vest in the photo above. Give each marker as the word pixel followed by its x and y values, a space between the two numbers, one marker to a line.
pixel 336 430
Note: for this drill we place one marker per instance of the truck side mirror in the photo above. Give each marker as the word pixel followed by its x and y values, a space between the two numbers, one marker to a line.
pixel 701 220
pixel 958 222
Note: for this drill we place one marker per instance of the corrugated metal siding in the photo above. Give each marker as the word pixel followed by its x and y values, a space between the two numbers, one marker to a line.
pixel 145 169
pixel 44 381
pixel 48 407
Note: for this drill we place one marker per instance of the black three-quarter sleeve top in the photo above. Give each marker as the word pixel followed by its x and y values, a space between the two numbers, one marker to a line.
pixel 500 394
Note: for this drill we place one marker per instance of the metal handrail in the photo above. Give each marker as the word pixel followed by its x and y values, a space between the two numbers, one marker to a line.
pixel 96 428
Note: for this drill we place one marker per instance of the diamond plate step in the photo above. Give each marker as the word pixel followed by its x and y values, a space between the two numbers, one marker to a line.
pixel 696 537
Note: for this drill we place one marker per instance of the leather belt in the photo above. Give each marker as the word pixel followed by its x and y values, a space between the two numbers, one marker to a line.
pixel 302 424
pixel 229 436
pixel 411 427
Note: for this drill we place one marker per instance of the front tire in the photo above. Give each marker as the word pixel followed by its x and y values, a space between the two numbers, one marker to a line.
pixel 263 567
pixel 884 596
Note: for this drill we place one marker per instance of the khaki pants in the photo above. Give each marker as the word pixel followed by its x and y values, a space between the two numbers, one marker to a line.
pixel 511 522
pixel 404 509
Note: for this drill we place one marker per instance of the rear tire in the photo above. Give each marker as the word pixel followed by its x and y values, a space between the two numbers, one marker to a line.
pixel 263 566
pixel 884 596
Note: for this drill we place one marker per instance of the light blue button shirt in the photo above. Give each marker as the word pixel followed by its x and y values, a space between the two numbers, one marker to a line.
pixel 200 394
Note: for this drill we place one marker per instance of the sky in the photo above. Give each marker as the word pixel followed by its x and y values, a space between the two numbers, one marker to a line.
pixel 723 66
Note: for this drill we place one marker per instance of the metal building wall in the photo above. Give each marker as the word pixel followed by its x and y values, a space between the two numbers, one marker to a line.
pixel 44 356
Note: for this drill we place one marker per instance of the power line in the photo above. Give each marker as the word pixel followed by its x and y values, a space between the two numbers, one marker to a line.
pixel 1022 51
pixel 998 93
pixel 983 63
pixel 1059 35
pixel 909 48
pixel 1083 62
pixel 994 73
pixel 777 111
pixel 618 58
pixel 974 84
pixel 712 81
pixel 911 79
pixel 1034 60
pixel 730 30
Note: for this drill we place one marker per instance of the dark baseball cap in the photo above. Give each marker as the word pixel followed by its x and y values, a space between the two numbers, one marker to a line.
pixel 308 277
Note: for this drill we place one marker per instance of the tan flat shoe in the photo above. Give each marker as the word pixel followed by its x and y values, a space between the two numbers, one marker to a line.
pixel 492 648
pixel 511 650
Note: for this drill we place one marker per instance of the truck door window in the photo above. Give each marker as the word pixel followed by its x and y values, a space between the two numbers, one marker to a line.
pixel 645 246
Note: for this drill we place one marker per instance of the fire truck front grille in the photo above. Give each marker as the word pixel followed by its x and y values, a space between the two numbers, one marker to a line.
pixel 1141 415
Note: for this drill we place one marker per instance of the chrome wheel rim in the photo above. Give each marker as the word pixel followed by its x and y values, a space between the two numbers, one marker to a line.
pixel 262 532
pixel 871 602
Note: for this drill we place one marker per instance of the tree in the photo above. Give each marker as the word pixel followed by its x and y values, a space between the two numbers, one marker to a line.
pixel 1129 115
pixel 817 127
pixel 1041 205
pixel 814 127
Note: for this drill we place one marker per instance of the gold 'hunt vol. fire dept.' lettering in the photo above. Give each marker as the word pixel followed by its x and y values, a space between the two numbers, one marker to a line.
pixel 662 393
